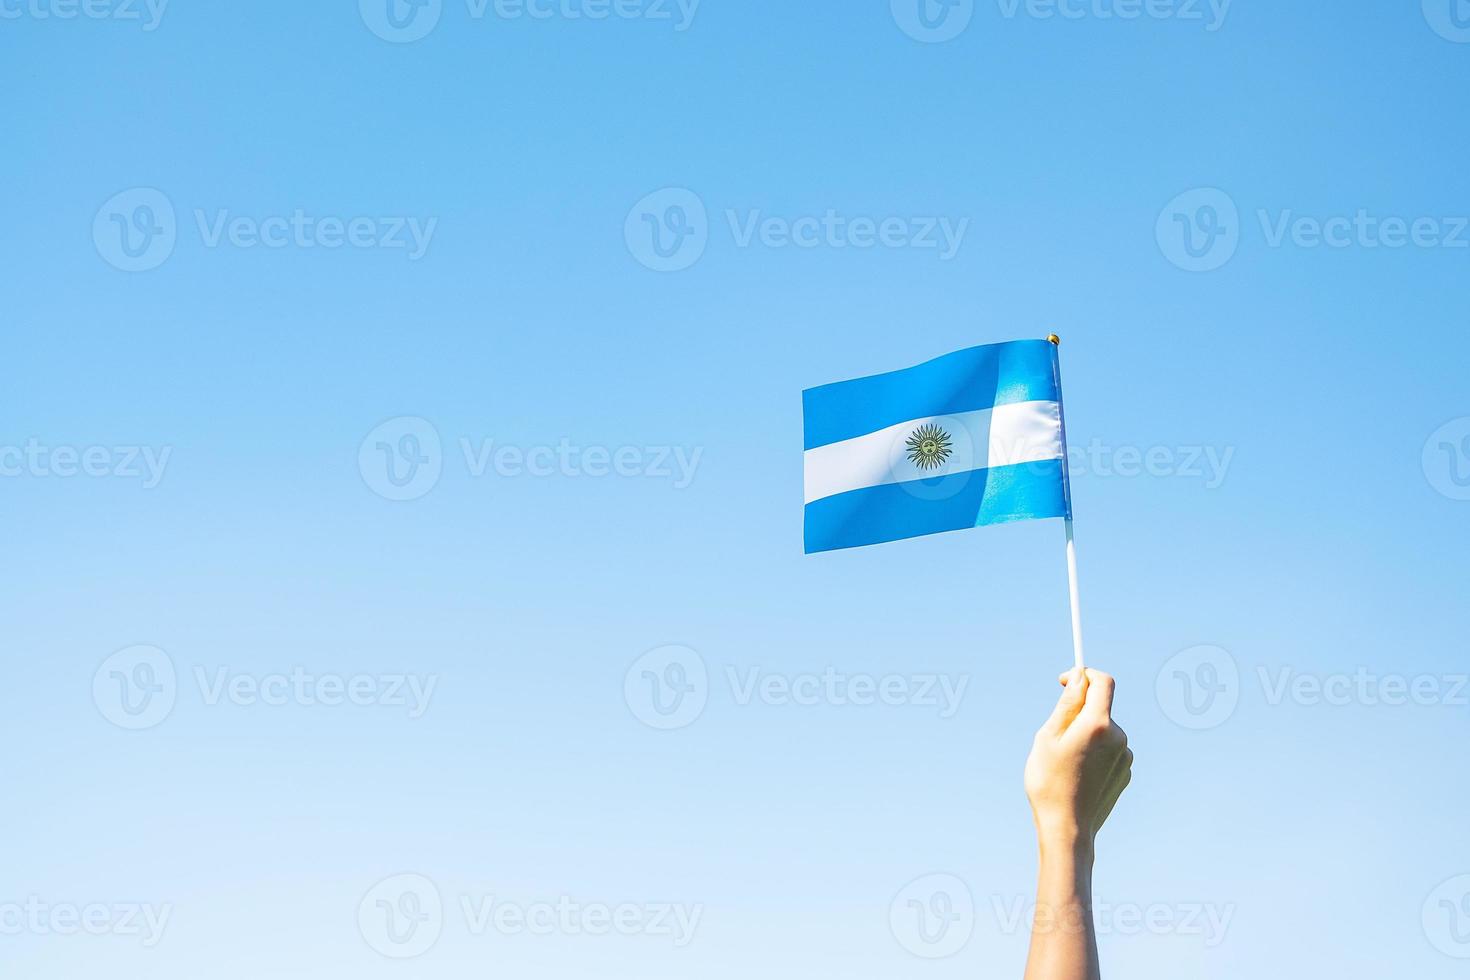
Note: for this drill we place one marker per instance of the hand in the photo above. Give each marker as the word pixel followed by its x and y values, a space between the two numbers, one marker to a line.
pixel 1079 764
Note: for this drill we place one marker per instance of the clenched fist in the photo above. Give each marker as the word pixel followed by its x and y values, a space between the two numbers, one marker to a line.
pixel 1079 763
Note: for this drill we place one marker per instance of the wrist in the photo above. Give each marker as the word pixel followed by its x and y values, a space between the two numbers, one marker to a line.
pixel 1064 841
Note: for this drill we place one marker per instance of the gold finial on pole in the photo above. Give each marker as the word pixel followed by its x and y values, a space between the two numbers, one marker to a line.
pixel 1054 339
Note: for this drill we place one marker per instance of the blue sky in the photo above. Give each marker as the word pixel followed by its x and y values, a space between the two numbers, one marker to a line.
pixel 1248 222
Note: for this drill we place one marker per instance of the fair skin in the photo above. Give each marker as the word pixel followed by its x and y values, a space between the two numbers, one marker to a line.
pixel 1079 765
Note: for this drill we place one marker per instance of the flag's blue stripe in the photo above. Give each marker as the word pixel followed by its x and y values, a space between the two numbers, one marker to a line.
pixel 945 503
pixel 965 381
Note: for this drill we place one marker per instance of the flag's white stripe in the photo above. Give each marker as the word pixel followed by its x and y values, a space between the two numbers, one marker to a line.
pixel 1023 432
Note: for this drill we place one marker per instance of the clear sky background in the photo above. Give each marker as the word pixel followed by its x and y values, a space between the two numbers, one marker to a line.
pixel 1287 623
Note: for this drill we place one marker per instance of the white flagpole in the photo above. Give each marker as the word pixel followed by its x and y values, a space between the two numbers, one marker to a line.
pixel 1076 604
pixel 1071 544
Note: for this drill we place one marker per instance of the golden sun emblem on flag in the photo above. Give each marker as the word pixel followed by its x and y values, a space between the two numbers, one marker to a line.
pixel 928 447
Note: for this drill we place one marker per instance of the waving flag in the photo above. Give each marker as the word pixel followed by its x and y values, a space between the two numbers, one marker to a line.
pixel 971 438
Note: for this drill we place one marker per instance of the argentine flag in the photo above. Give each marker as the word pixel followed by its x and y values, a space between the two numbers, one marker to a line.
pixel 970 438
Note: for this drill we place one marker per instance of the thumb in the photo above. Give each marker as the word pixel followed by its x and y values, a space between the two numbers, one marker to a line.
pixel 1074 695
